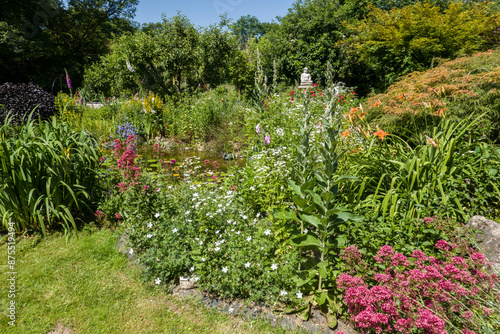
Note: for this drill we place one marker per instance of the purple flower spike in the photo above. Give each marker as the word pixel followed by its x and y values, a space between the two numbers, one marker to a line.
pixel 68 80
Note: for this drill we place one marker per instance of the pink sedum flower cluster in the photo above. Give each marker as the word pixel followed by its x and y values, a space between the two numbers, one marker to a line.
pixel 420 292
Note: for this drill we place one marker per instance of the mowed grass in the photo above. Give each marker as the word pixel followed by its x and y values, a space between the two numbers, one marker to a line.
pixel 87 286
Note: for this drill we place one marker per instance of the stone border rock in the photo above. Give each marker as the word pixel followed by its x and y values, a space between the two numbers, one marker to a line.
pixel 187 289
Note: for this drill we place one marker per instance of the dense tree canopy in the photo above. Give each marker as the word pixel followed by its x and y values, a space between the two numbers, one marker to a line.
pixel 165 58
pixel 39 39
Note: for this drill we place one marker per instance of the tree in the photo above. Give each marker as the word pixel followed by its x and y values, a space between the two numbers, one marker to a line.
pixel 166 59
pixel 39 39
pixel 248 27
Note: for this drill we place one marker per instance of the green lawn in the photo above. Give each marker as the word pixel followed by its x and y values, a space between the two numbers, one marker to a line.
pixel 87 286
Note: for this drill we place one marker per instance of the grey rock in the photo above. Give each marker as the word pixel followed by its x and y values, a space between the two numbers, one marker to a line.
pixel 214 303
pixel 344 327
pixel 489 239
pixel 288 323
pixel 311 327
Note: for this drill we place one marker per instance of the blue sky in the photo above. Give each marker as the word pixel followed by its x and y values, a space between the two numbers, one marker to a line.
pixel 205 12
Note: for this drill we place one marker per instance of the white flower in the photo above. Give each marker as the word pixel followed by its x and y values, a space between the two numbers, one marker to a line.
pixel 252 188
pixel 306 230
pixel 274 266
pixel 249 239
pixel 150 224
pixel 217 232
pixel 217 249
pixel 191 269
pixel 220 205
pixel 203 259
pixel 187 213
pixel 189 220
pixel 247 264
pixel 258 215
pixel 280 132
pixel 149 235
pixel 131 251
pixel 224 270
pixel 299 295
pixel 238 232
pixel 244 217
pixel 283 293
pixel 157 281
pixel 201 242
pixel 231 309
pixel 267 232
pixel 174 230
pixel 157 215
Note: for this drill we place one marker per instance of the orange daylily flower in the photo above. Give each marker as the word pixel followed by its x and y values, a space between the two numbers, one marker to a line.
pixel 345 134
pixel 376 104
pixel 380 133
pixel 440 112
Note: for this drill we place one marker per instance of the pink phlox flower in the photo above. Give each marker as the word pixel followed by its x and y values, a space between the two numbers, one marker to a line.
pixel 399 259
pixel 346 281
pixel 443 245
pixel 383 278
pixel 478 258
pixel 430 323
pixel 384 251
pixel 419 255
pixel 459 262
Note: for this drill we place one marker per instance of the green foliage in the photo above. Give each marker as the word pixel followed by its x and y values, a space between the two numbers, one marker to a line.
pixel 49 175
pixel 42 38
pixel 166 61
pixel 398 42
pixel 453 90
pixel 321 222
pixel 397 186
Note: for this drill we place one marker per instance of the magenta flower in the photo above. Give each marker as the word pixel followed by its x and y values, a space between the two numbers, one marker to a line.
pixel 68 80
pixel 257 129
pixel 267 139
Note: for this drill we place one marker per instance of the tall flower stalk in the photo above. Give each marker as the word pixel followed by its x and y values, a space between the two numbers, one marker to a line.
pixel 321 222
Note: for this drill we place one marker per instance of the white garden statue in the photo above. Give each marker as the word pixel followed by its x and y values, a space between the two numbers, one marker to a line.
pixel 305 79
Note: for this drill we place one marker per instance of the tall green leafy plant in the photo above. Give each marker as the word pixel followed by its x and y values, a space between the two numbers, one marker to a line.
pixel 321 221
pixel 48 173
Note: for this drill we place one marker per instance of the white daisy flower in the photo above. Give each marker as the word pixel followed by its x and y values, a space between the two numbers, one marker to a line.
pixel 157 281
pixel 274 266
pixel 224 270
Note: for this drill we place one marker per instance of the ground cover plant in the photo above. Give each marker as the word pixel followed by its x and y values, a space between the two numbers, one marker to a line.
pixel 85 285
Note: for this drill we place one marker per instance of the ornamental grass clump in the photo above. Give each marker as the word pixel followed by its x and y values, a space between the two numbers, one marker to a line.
pixel 421 293
pixel 49 175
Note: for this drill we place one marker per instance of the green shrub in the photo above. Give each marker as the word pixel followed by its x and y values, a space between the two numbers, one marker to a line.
pixel 49 175
pixel 395 43
pixel 453 90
